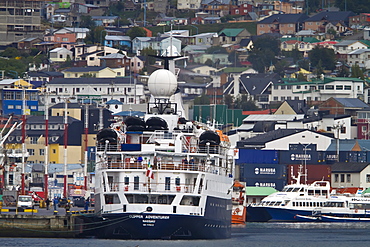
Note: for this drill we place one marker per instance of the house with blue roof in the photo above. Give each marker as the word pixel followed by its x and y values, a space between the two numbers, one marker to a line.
pixel 348 106
pixel 319 21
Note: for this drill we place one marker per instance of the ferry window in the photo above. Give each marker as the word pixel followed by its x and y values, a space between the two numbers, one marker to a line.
pixel 136 183
pixel 336 178
pixel 295 189
pixel 167 185
pixel 311 204
pixel 130 198
pixel 348 178
pixel 141 199
pixel 190 200
pixel 310 192
pixel 112 199
pixel 177 181
pixel 317 192
pixel 342 178
pixel 127 180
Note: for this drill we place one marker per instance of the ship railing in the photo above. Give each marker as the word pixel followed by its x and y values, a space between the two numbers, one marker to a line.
pixel 100 147
pixel 149 187
pixel 191 167
pixel 212 149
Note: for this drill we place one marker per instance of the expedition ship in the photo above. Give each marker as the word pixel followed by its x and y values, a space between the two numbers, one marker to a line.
pixel 163 177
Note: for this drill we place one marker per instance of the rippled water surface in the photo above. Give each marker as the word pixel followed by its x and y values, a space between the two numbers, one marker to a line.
pixel 253 234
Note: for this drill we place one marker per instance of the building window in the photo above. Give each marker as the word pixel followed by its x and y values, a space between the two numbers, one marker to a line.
pixel 342 178
pixel 31 151
pixel 367 178
pixel 348 178
pixel 42 152
pixel 336 178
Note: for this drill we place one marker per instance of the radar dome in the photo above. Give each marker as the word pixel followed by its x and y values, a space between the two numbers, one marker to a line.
pixel 162 83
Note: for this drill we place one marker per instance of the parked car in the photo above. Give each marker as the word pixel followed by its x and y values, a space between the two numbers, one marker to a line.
pixel 25 201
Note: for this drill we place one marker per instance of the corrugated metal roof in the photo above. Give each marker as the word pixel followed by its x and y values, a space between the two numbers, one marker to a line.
pixel 352 102
pixel 274 117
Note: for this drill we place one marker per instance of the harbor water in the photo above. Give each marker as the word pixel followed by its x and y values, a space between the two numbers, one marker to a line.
pixel 253 234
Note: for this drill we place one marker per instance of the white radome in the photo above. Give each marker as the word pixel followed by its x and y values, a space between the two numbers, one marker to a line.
pixel 162 83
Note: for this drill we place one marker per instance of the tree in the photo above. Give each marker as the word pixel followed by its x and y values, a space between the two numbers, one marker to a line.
pixel 301 77
pixel 229 101
pixel 264 53
pixel 325 55
pixel 11 52
pixel 344 71
pixel 136 32
pixel 280 67
pixel 234 58
pixel 202 100
pixel 147 52
pixel 356 72
pixel 357 6
pixel 87 22
pixel 96 35
pixel 216 49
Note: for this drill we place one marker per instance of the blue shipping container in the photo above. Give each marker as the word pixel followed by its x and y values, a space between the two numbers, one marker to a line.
pixel 274 183
pixel 257 171
pixel 294 157
pixel 256 156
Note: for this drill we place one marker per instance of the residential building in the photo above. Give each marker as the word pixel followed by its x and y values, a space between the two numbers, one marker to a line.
pixel 319 21
pixel 231 36
pixel 159 44
pixel 188 4
pixel 344 47
pixel 281 23
pixel 345 175
pixel 20 20
pixel 319 90
pixel 119 42
pixel 60 54
pixel 216 7
pixel 257 87
pixel 359 57
pixel 339 106
pixel 116 60
pixel 93 71
pixel 123 89
pixel 91 53
pixel 13 101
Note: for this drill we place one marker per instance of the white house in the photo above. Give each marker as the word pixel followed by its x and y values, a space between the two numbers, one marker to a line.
pixel 60 54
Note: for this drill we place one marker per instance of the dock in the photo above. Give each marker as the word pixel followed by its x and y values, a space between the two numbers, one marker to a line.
pixel 44 223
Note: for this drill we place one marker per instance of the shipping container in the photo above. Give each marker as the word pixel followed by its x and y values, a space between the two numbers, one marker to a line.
pixel 256 156
pixel 298 156
pixel 314 173
pixel 257 171
pixel 346 156
pixel 277 184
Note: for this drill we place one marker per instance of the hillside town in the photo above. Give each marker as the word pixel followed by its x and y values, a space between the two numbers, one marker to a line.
pixel 288 83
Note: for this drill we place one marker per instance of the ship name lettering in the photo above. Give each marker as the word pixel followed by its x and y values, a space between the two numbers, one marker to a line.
pixel 148 221
pixel 136 216
pixel 158 217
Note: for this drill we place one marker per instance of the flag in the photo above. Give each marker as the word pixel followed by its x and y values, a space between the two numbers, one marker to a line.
pixel 149 171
